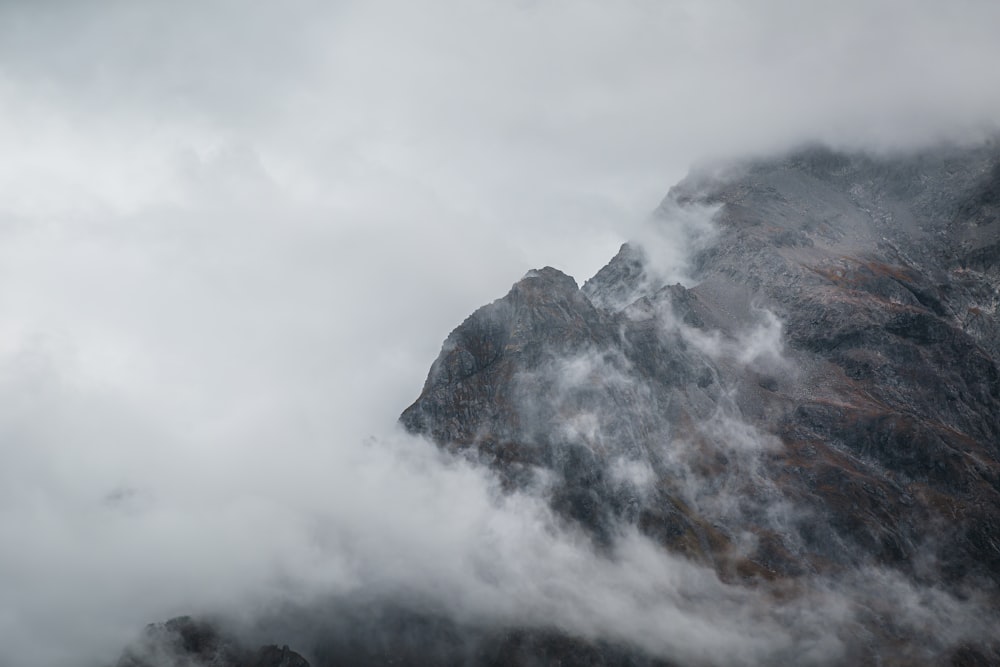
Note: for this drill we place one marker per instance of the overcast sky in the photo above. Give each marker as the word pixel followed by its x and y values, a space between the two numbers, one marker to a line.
pixel 234 234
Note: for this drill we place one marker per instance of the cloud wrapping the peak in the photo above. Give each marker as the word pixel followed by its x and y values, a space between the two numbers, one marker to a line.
pixel 233 235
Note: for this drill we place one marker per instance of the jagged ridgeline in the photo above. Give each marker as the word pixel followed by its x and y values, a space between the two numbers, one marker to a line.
pixel 814 414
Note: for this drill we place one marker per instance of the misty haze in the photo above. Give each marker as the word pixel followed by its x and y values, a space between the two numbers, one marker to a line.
pixel 513 332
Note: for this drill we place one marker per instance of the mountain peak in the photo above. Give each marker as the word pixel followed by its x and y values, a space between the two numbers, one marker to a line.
pixel 836 355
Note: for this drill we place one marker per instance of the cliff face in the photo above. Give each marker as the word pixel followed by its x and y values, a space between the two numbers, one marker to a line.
pixel 823 398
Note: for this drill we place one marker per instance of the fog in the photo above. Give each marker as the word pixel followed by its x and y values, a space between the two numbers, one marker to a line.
pixel 233 236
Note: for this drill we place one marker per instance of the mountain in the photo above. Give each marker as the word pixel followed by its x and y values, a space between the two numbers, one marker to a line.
pixel 792 383
pixel 821 400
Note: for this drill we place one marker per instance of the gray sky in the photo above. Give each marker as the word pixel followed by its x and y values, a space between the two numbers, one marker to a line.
pixel 234 234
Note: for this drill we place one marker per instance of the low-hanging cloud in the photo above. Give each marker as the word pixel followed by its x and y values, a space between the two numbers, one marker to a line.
pixel 232 236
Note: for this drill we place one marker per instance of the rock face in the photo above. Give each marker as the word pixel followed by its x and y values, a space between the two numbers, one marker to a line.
pixel 186 642
pixel 823 398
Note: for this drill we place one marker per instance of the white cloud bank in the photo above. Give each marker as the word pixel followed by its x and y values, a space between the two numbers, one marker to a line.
pixel 232 236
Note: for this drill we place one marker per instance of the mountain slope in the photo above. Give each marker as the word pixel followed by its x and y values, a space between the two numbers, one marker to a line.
pixel 820 403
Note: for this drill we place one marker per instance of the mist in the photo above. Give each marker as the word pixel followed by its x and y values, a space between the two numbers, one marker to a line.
pixel 233 237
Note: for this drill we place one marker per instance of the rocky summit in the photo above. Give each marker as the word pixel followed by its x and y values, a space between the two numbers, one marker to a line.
pixel 819 401
pixel 791 382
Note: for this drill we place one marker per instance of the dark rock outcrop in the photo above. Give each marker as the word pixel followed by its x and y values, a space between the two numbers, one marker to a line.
pixel 187 642
pixel 374 634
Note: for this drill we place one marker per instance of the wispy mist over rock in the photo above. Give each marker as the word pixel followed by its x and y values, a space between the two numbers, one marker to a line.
pixel 233 235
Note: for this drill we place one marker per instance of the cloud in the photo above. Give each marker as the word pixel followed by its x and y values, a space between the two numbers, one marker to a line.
pixel 233 235
pixel 671 240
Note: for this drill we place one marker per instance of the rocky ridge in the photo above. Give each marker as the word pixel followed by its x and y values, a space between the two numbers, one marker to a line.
pixel 823 397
